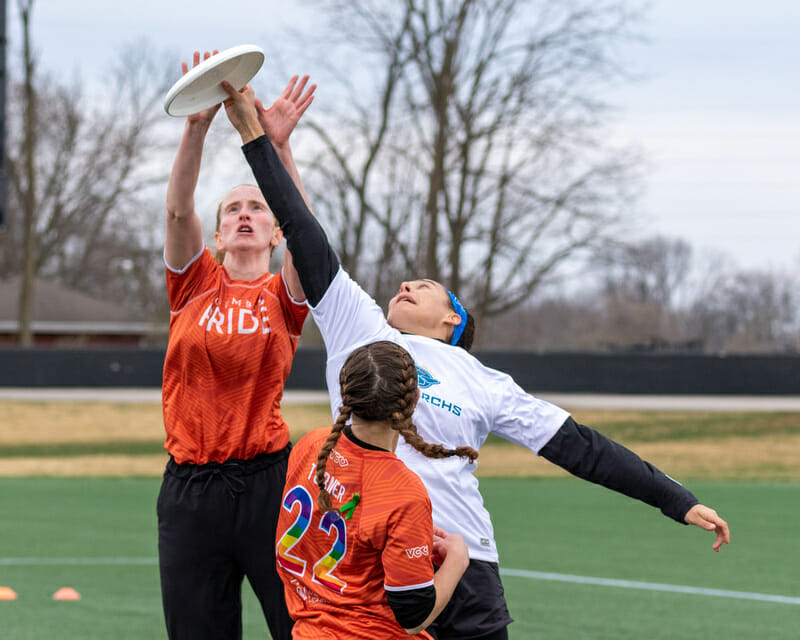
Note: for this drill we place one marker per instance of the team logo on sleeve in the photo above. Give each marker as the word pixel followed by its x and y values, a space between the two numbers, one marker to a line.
pixel 425 379
pixel 417 552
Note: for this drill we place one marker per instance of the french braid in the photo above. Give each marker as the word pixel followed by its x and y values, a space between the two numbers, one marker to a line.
pixel 378 383
pixel 324 498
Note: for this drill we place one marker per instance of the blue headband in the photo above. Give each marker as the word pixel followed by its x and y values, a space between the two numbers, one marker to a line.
pixel 459 309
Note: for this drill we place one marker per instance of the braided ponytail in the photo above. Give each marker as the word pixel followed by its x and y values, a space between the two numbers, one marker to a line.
pixel 378 383
pixel 437 451
pixel 402 419
pixel 324 498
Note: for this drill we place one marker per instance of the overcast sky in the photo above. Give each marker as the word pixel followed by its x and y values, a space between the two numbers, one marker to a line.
pixel 717 116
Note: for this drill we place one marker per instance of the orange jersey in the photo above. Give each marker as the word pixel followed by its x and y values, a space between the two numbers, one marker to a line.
pixel 336 571
pixel 231 345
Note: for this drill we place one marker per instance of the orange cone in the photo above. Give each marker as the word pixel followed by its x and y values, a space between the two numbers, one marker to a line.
pixel 66 593
pixel 7 593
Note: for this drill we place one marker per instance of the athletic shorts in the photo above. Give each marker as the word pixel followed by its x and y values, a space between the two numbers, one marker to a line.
pixel 477 609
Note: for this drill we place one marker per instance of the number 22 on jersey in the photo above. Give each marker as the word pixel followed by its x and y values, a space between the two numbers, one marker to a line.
pixel 331 522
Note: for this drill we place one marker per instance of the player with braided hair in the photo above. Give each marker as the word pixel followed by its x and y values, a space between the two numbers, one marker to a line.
pixel 462 401
pixel 400 420
pixel 361 564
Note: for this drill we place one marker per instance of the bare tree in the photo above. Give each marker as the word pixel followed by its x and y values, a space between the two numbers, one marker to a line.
pixel 748 311
pixel 28 193
pixel 82 180
pixel 473 153
pixel 3 59
pixel 364 192
pixel 651 270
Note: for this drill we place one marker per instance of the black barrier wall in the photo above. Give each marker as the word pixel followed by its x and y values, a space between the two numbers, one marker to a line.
pixel 554 372
pixel 651 373
pixel 134 367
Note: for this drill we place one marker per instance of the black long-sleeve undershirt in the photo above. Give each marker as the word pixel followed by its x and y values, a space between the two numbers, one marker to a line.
pixel 410 608
pixel 591 456
pixel 314 258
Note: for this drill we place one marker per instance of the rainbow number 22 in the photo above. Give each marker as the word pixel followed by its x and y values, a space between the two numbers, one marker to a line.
pixel 331 521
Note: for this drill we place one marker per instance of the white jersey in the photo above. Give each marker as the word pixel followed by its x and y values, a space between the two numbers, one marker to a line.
pixel 461 402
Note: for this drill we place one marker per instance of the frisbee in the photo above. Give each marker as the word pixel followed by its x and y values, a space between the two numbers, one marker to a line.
pixel 199 88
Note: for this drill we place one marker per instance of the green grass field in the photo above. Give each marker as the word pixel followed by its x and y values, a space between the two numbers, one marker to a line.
pixel 99 536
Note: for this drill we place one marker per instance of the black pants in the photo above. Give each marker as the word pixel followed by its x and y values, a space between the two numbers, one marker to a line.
pixel 477 610
pixel 216 524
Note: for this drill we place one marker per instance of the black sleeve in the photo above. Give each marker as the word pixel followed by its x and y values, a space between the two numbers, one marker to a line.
pixel 591 456
pixel 313 257
pixel 410 608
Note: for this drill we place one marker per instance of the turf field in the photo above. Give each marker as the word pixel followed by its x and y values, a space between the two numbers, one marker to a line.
pixel 98 536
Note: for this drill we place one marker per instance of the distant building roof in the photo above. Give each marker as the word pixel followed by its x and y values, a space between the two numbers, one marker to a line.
pixel 57 309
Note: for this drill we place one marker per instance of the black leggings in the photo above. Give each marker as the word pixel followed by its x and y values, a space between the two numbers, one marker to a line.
pixel 216 524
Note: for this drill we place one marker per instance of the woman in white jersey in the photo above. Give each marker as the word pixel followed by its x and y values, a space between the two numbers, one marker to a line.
pixel 461 402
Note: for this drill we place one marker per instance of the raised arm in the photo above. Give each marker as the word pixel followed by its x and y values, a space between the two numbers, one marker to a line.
pixel 280 120
pixel 278 123
pixel 184 235
pixel 312 256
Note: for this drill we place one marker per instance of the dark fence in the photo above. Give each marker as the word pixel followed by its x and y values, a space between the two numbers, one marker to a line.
pixel 132 367
pixel 651 373
pixel 555 372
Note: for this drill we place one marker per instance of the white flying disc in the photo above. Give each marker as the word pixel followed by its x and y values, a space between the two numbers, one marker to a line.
pixel 200 88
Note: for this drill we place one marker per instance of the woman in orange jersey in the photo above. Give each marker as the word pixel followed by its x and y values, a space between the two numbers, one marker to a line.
pixel 361 564
pixel 234 328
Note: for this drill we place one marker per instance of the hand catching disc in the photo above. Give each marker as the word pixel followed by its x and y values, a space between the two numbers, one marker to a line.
pixel 199 88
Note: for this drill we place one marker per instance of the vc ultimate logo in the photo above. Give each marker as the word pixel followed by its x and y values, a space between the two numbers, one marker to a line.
pixel 417 552
pixel 425 379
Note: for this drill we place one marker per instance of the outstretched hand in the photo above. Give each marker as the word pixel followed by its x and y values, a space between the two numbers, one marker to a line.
pixel 206 115
pixel 282 117
pixel 241 111
pixel 707 519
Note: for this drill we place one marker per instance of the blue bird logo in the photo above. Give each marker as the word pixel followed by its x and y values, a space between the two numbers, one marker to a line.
pixel 425 379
